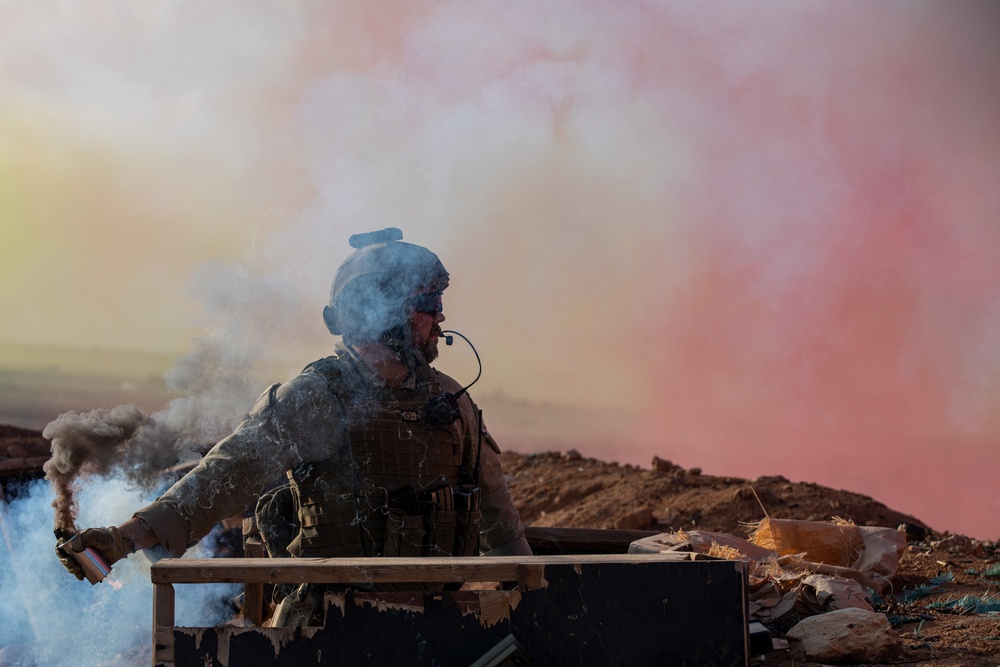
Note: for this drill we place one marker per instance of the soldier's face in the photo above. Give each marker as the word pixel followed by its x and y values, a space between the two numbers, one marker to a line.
pixel 425 320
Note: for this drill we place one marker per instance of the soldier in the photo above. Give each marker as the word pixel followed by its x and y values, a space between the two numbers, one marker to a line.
pixel 384 455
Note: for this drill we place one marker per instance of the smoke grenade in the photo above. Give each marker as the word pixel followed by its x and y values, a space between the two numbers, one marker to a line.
pixel 94 567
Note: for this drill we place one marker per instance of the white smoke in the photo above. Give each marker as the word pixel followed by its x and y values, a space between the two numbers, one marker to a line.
pixel 52 620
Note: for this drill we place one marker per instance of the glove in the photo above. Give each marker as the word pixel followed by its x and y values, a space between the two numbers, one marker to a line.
pixel 108 542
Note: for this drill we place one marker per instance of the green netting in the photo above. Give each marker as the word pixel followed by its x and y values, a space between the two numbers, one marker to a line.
pixel 926 589
pixel 969 603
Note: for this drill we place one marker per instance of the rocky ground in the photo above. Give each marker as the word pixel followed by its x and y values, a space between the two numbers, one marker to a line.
pixel 944 602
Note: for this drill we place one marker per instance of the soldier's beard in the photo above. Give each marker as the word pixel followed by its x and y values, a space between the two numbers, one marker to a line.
pixel 397 340
pixel 428 348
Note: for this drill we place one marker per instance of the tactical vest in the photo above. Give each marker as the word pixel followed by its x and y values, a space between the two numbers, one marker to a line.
pixel 396 487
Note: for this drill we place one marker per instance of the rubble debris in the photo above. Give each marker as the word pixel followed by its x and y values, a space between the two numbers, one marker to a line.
pixel 845 636
pixel 809 567
pixel 822 593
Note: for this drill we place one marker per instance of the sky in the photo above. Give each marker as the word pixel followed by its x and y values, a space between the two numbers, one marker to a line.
pixel 757 238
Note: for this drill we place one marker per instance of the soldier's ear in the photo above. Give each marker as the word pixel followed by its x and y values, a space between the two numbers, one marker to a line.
pixel 329 318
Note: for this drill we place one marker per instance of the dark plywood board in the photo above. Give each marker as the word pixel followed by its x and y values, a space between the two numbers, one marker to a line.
pixel 597 613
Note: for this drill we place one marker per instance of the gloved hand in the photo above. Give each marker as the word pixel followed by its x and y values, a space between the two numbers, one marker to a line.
pixel 109 542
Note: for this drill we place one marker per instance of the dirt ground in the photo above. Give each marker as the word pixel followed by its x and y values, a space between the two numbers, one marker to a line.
pixel 947 623
pixel 944 603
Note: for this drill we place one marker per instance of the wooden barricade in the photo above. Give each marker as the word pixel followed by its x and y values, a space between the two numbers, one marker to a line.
pixel 560 610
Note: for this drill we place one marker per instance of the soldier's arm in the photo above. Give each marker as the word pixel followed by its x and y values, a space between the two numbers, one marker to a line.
pixel 289 425
pixel 501 533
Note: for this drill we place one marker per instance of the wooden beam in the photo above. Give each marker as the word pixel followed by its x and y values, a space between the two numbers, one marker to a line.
pixel 545 540
pixel 163 625
pixel 371 570
pixel 253 592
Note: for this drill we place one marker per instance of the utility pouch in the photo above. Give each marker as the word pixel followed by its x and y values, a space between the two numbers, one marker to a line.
pixel 441 532
pixel 404 535
pixel 412 536
pixel 372 521
pixel 302 607
pixel 393 532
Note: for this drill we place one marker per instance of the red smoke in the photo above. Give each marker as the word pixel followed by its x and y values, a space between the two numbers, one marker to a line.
pixel 842 321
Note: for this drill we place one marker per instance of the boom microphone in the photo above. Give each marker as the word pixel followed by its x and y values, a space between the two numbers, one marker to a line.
pixel 444 409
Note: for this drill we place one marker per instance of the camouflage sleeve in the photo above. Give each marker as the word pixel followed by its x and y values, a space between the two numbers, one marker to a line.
pixel 290 424
pixel 502 533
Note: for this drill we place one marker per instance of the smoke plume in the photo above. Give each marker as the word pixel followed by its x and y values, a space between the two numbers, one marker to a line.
pixel 101 443
pixel 85 443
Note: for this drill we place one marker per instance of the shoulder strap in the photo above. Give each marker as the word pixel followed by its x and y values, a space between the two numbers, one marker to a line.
pixel 331 369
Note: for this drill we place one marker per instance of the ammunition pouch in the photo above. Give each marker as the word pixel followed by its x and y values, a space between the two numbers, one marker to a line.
pixel 443 521
pixel 404 535
pixel 467 533
pixel 432 523
pixel 441 532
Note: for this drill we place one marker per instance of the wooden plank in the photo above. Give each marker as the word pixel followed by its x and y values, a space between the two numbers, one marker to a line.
pixel 163 623
pixel 373 570
pixel 582 540
pixel 253 591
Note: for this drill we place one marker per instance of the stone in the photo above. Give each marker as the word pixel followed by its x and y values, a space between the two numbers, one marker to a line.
pixel 845 636
pixel 662 465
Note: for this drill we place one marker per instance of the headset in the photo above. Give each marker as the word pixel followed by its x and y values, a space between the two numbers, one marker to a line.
pixel 443 409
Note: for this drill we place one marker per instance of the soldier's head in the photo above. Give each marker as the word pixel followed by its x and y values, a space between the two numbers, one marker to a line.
pixel 388 291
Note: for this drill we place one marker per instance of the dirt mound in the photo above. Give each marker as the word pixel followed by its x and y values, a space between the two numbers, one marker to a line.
pixel 568 490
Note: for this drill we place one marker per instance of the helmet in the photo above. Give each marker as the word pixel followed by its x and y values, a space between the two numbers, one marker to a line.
pixel 370 292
